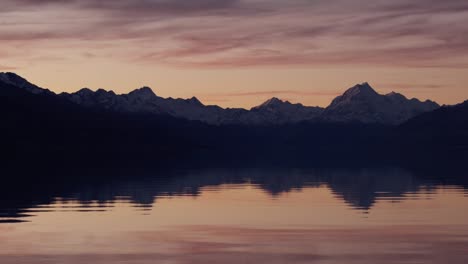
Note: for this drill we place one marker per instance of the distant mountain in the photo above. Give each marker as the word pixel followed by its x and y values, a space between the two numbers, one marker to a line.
pixel 277 111
pixel 446 117
pixel 95 127
pixel 18 81
pixel 445 128
pixel 144 100
pixel 362 103
pixel 42 128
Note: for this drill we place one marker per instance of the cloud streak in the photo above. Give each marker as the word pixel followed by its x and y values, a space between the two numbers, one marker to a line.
pixel 243 33
pixel 6 68
pixel 403 86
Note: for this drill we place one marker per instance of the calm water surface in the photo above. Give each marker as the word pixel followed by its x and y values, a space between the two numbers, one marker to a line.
pixel 240 216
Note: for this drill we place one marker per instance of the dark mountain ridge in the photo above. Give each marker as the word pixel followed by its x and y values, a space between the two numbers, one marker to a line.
pixel 360 103
pixel 445 128
pixel 45 128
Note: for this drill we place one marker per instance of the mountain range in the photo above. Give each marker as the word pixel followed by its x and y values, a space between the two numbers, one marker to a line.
pixel 97 127
pixel 360 103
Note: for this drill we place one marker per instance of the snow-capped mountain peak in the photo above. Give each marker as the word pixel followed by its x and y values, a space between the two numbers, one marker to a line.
pixel 271 103
pixel 363 89
pixel 363 104
pixel 360 103
pixel 142 93
pixel 18 81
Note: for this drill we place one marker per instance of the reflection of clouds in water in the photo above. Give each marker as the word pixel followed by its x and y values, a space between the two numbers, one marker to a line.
pixel 211 244
pixel 313 218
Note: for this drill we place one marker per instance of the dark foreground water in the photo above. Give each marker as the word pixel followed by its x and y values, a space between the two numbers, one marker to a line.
pixel 239 216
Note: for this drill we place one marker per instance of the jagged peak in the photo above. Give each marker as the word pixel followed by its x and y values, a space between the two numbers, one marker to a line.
pixel 87 91
pixel 360 89
pixel 401 97
pixel 393 93
pixel 84 90
pixel 194 100
pixel 272 102
pixel 10 75
pixel 13 78
pixel 144 91
pixel 359 92
pixel 18 81
pixel 430 102
pixel 103 92
pixel 396 95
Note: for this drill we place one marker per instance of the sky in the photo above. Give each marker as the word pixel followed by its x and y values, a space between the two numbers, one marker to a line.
pixel 239 53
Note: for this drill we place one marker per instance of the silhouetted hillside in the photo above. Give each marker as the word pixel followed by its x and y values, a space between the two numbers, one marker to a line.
pixel 360 103
pixel 45 127
pixel 443 131
pixel 40 128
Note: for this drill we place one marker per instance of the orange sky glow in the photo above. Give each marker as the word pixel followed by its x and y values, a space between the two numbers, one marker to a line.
pixel 239 53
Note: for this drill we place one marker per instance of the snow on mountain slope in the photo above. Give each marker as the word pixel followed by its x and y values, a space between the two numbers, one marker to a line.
pixel 363 104
pixel 360 103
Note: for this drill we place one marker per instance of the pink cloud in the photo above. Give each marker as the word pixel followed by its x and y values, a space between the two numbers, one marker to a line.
pixel 235 33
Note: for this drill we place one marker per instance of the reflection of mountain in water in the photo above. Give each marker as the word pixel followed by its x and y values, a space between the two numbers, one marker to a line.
pixel 360 188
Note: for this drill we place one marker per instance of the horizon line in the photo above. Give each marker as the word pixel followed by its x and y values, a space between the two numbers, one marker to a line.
pixel 236 94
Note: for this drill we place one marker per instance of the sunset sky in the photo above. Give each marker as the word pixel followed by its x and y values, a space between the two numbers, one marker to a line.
pixel 238 53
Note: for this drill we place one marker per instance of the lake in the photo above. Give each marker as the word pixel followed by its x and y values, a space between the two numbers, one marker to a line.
pixel 237 215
